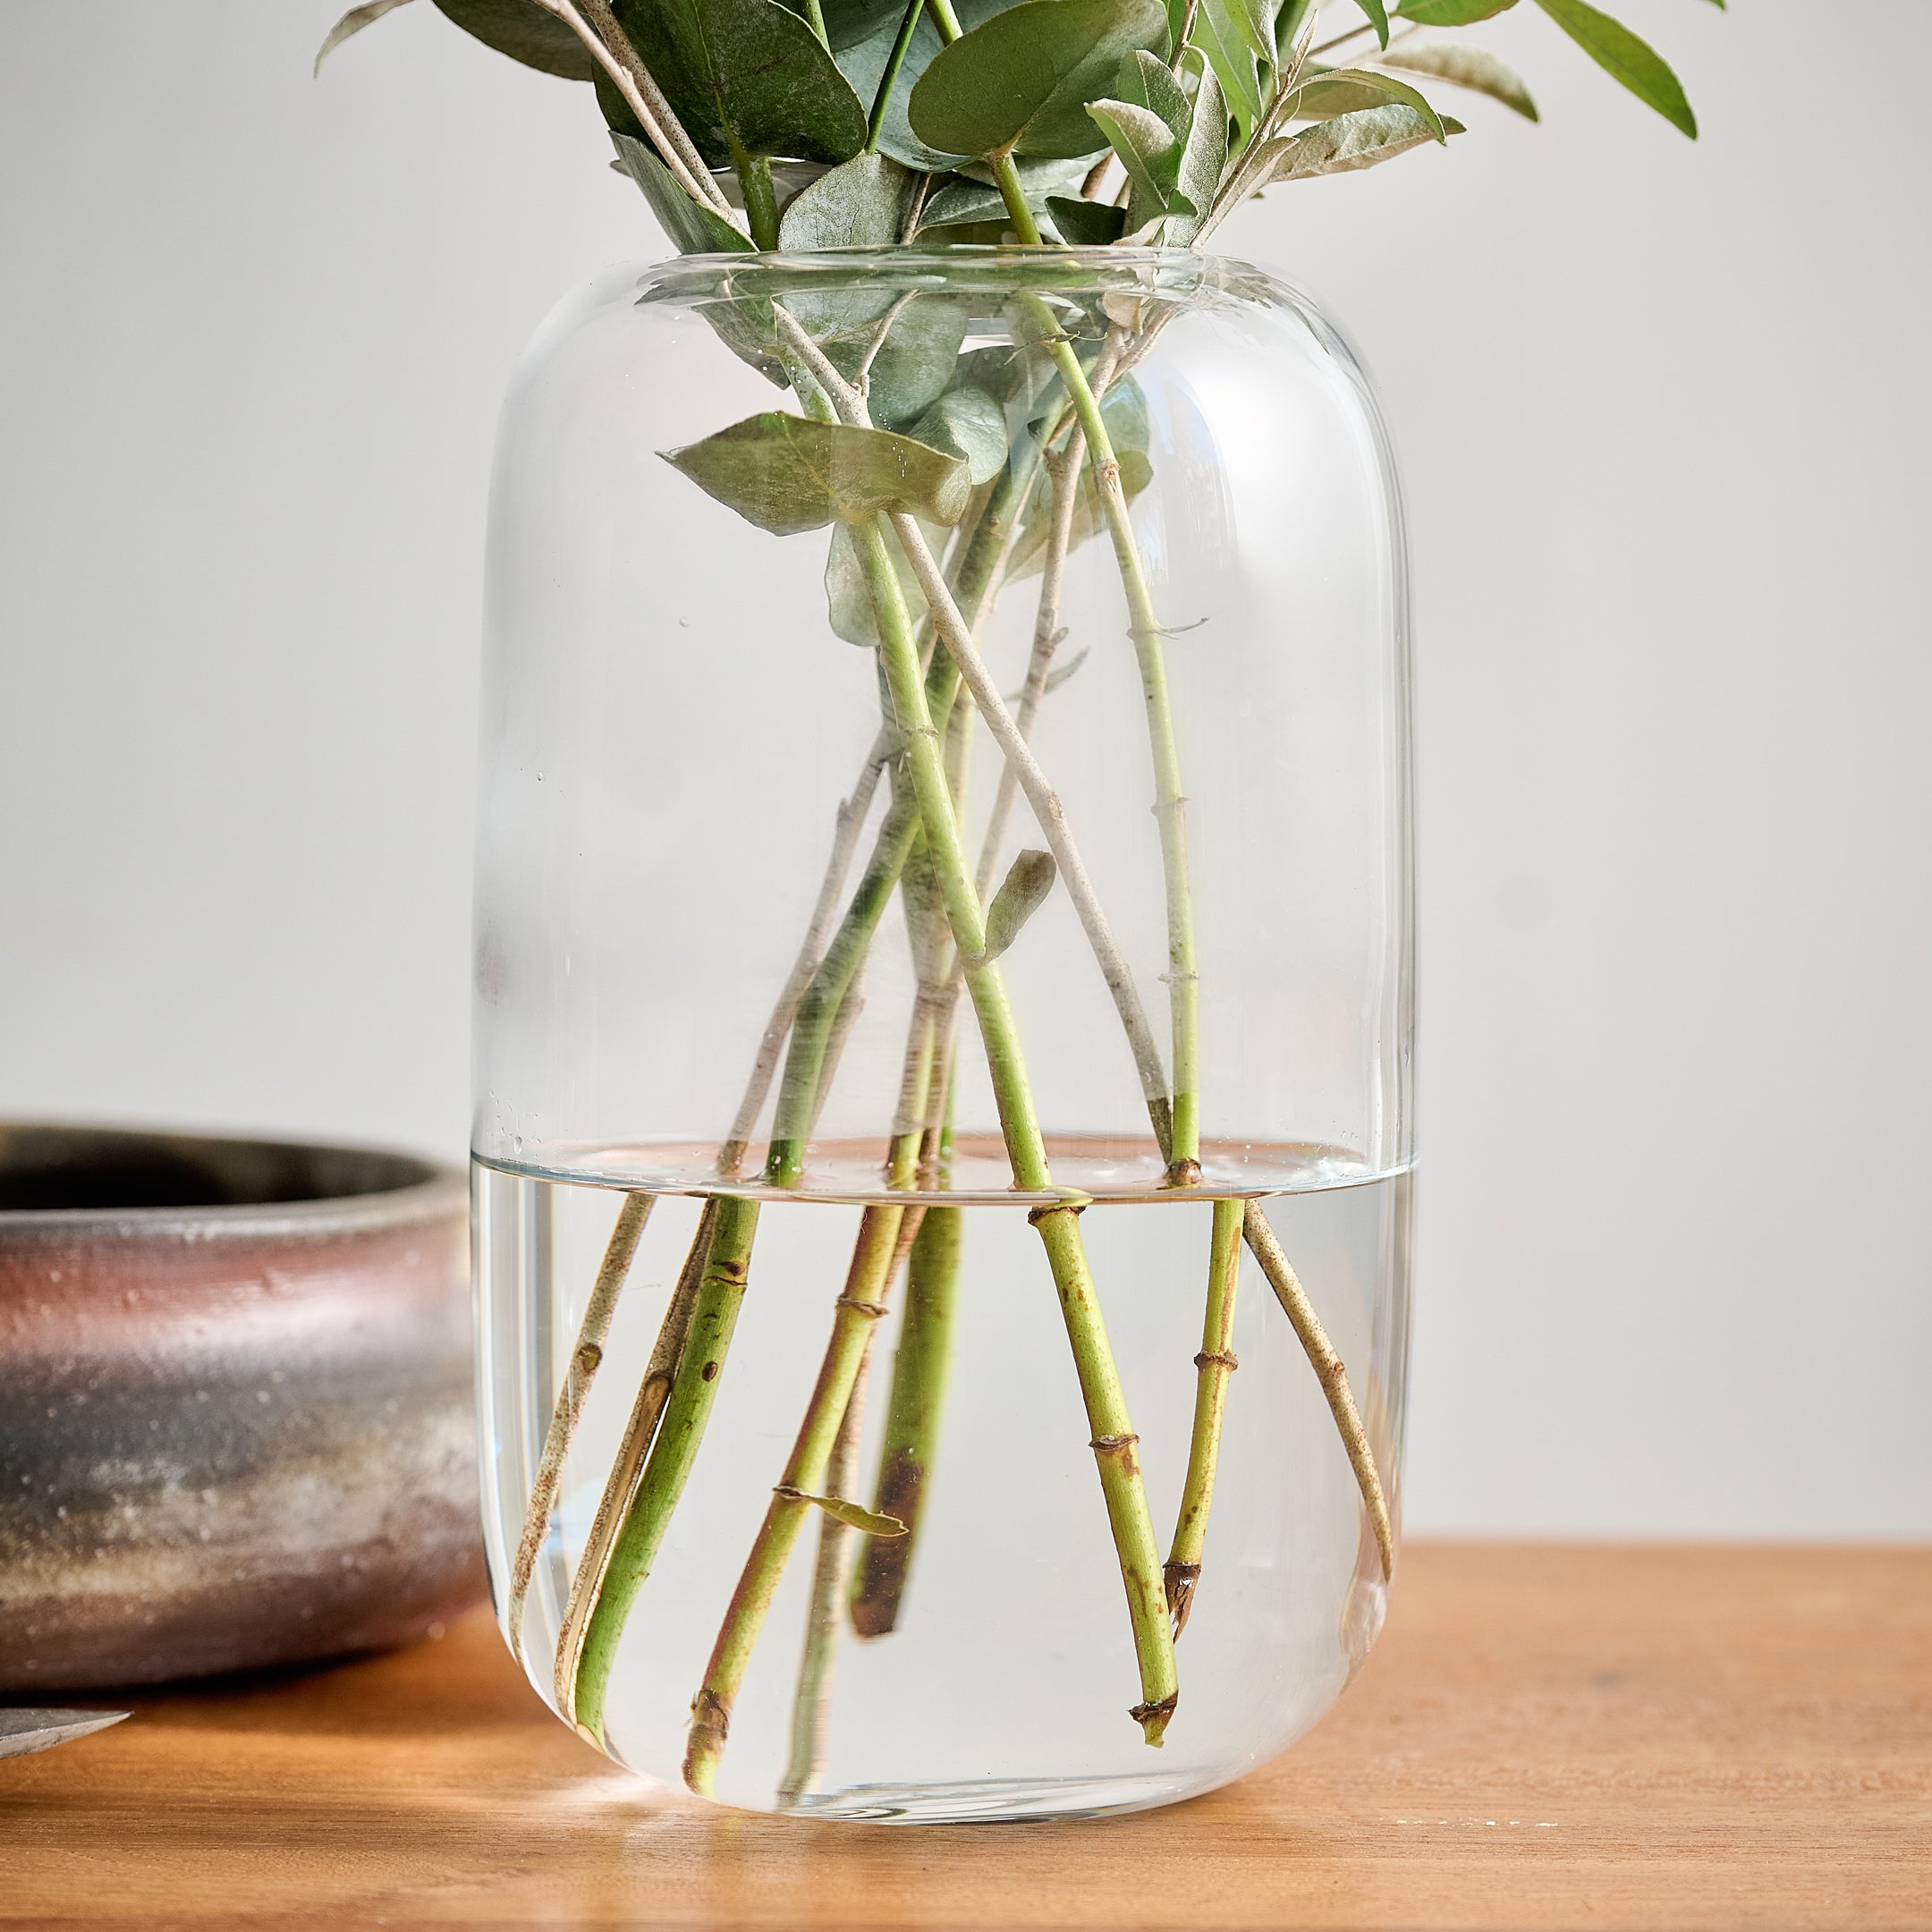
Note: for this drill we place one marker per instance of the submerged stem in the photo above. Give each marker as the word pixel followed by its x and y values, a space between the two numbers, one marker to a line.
pixel 621 1481
pixel 921 1363
pixel 713 1317
pixel 1329 1371
pixel 860 1303
pixel 1112 1438
pixel 1215 1363
pixel 586 1357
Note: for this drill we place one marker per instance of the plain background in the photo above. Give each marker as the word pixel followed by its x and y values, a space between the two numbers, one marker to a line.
pixel 1664 415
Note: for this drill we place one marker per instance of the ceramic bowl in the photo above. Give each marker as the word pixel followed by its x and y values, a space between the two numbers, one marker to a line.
pixel 235 1405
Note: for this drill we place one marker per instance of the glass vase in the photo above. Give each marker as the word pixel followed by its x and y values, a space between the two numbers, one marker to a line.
pixel 944 984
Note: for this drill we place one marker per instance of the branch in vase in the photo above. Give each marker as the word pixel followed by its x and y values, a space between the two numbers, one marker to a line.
pixel 1329 1371
pixel 620 1480
pixel 586 1357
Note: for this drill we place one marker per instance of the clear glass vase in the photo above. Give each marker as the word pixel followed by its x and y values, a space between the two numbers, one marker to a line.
pixel 923 1213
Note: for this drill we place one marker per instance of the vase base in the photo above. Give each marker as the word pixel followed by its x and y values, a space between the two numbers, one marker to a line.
pixel 999 1801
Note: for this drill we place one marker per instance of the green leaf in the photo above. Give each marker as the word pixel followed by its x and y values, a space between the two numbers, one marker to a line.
pixel 862 203
pixel 1452 13
pixel 849 21
pixel 1147 150
pixel 1348 142
pixel 850 1514
pixel 1226 47
pixel 1465 66
pixel 1089 512
pixel 787 473
pixel 1354 89
pixel 353 23
pixel 864 63
pixel 1626 58
pixel 1288 24
pixel 969 424
pixel 693 228
pixel 1020 81
pixel 1378 18
pixel 1086 223
pixel 968 199
pixel 918 362
pixel 746 77
pixel 849 602
pixel 1027 884
pixel 1204 155
pixel 525 32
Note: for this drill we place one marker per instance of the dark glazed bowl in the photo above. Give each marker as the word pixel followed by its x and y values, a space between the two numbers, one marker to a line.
pixel 234 1405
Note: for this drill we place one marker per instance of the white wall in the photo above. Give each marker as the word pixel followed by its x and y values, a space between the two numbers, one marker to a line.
pixel 1664 410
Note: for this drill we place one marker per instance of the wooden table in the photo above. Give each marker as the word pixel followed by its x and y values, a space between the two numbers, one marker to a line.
pixel 1547 1737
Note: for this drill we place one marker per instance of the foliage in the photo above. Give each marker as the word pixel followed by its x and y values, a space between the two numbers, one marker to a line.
pixel 1170 112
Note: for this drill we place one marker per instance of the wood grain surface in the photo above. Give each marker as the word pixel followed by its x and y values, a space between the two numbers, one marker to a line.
pixel 1547 1737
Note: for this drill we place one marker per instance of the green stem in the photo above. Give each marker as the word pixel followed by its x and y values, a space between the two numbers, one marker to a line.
pixel 818 1010
pixel 1170 803
pixel 912 1418
pixel 815 20
pixel 760 199
pixel 1112 1438
pixel 720 1294
pixel 860 1303
pixel 895 61
pixel 1215 1363
pixel 1006 175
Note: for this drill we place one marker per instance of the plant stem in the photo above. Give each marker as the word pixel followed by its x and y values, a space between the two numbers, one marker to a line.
pixel 850 818
pixel 620 1483
pixel 1170 807
pixel 811 1701
pixel 1329 1371
pixel 895 61
pixel 818 1010
pixel 1216 1363
pixel 1114 1439
pixel 610 47
pixel 912 1418
pixel 586 1357
pixel 714 1316
pixel 760 200
pixel 815 20
pixel 860 1303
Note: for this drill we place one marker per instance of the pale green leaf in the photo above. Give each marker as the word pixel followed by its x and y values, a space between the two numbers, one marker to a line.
pixel 353 23
pixel 1626 58
pixel 1204 157
pixel 1020 81
pixel 1465 66
pixel 1348 90
pixel 1147 150
pixel 1149 83
pixel 788 473
pixel 1348 142
pixel 1021 894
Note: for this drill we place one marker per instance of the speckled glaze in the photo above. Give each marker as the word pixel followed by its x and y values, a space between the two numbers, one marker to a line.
pixel 235 1409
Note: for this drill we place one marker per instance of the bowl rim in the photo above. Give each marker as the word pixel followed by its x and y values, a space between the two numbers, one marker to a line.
pixel 426 1189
